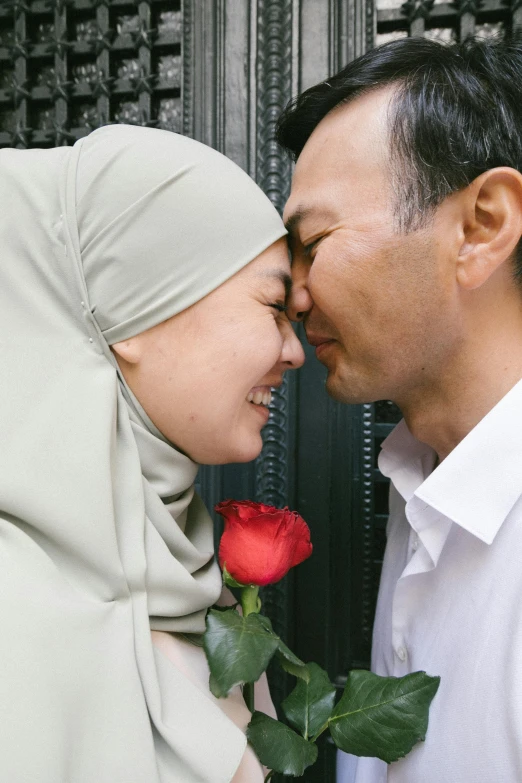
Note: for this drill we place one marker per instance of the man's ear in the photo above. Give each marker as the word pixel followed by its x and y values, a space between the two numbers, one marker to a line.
pixel 492 225
pixel 129 351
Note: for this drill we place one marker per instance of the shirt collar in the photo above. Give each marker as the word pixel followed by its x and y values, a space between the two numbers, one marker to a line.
pixel 405 460
pixel 478 483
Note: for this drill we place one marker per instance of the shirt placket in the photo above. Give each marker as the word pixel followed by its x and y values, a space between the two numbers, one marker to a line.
pixel 428 532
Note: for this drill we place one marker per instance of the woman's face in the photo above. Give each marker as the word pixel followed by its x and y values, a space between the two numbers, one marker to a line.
pixel 204 376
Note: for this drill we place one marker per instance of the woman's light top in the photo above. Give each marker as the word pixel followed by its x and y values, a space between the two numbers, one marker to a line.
pixel 101 535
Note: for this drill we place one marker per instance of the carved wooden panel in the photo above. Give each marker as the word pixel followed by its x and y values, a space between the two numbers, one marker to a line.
pixel 68 66
pixel 446 21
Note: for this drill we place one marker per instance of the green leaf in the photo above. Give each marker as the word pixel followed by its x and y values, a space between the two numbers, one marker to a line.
pixel 278 747
pixel 310 704
pixel 266 623
pixel 291 663
pixel 238 649
pixel 229 580
pixel 382 716
pixel 214 687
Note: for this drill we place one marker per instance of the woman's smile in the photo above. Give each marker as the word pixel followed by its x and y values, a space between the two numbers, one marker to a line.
pixel 259 398
pixel 260 395
pixel 261 409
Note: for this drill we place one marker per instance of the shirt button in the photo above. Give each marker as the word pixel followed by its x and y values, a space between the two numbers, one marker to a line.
pixel 401 653
pixel 415 543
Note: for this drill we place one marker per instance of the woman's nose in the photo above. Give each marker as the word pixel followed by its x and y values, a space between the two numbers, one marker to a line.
pixel 300 302
pixel 292 354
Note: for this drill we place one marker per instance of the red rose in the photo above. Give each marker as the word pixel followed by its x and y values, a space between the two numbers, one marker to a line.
pixel 261 543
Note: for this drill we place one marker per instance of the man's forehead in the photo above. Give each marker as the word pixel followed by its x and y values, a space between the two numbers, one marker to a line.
pixel 345 155
pixel 364 116
pixel 351 132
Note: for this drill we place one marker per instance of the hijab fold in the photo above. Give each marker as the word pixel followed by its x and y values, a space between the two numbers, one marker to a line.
pixel 102 537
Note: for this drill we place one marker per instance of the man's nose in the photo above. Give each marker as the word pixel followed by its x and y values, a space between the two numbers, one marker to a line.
pixel 300 302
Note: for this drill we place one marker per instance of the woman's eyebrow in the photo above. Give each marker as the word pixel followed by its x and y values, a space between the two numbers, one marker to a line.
pixel 278 274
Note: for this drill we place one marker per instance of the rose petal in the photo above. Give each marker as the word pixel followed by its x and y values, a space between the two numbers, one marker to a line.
pixel 261 543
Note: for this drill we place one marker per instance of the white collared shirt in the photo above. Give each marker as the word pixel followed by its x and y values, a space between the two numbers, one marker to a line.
pixel 450 599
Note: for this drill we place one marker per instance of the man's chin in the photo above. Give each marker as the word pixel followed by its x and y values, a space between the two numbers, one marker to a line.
pixel 348 391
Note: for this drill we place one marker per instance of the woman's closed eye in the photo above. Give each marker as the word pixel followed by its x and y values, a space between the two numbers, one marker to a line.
pixel 281 308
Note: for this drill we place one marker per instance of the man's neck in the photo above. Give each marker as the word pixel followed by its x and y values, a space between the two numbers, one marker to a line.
pixel 444 414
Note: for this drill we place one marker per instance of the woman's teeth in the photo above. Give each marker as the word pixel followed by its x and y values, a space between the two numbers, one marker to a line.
pixel 260 397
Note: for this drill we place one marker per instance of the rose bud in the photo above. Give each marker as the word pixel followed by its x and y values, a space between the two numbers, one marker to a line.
pixel 261 543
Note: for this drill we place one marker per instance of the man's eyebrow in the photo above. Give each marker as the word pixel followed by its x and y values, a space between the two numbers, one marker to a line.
pixel 278 274
pixel 295 219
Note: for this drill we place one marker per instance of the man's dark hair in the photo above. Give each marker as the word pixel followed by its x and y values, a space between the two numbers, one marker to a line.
pixel 456 112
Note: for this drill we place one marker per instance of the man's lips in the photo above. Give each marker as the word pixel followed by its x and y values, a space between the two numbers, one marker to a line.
pixel 318 339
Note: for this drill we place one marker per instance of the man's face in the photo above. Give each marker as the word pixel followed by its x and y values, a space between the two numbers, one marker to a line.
pixel 380 303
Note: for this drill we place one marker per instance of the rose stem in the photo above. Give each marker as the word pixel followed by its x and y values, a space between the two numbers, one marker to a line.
pixel 250 605
pixel 249 602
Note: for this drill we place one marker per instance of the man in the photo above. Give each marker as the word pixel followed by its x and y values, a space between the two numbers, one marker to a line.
pixel 405 218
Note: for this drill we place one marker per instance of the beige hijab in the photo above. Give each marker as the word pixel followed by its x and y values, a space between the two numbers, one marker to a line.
pixel 101 535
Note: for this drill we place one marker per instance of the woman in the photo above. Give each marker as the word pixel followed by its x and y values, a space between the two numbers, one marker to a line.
pixel 142 290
